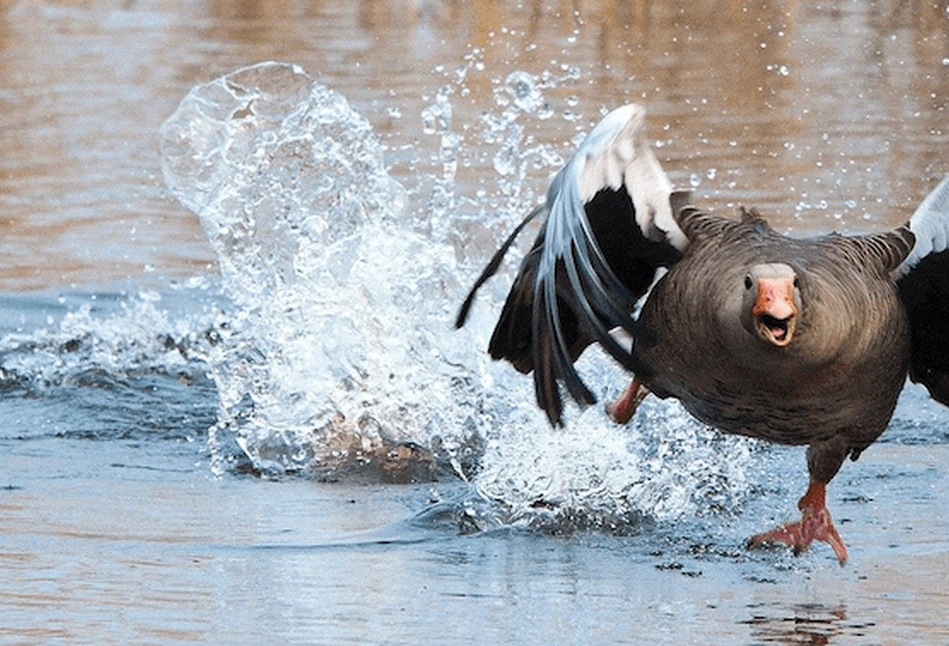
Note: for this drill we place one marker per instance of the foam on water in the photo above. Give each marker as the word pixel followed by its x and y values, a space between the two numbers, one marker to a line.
pixel 340 343
pixel 111 335
pixel 107 366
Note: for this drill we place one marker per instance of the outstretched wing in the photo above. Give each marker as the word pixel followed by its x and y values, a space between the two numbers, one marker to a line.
pixel 609 226
pixel 924 289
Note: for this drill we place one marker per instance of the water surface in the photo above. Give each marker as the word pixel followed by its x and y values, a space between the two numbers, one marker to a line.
pixel 178 464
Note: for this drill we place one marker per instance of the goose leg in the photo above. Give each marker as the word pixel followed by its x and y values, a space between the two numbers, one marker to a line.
pixel 623 409
pixel 815 525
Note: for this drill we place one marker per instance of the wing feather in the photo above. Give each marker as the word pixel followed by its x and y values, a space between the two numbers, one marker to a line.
pixel 930 225
pixel 924 289
pixel 609 226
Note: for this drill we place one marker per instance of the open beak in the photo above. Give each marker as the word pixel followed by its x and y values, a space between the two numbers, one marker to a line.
pixel 774 311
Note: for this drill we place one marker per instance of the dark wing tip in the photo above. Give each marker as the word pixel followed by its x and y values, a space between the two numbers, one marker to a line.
pixel 553 357
pixel 491 268
pixel 608 229
pixel 465 308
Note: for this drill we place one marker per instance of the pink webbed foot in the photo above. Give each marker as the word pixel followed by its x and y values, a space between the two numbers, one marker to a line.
pixel 623 409
pixel 815 525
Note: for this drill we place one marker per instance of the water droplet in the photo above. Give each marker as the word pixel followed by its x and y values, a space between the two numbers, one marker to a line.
pixel 694 180
pixel 436 118
pixel 429 122
pixel 523 90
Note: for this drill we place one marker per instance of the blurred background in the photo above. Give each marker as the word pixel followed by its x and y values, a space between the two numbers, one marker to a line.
pixel 828 115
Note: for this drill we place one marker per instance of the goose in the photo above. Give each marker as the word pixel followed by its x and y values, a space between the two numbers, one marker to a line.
pixel 799 341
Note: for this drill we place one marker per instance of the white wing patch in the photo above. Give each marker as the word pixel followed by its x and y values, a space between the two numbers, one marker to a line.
pixel 615 154
pixel 930 225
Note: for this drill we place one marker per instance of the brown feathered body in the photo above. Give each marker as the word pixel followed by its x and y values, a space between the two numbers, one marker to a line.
pixel 834 387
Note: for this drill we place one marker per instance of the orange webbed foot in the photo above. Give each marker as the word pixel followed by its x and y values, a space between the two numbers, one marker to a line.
pixel 815 525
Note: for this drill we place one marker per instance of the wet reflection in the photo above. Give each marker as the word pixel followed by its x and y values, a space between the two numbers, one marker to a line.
pixel 810 623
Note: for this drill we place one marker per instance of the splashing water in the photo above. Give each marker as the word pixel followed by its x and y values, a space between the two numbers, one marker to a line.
pixel 339 343
pixel 108 366
pixel 111 336
pixel 334 347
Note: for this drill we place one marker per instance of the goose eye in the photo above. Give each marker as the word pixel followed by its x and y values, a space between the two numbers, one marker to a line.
pixel 748 282
pixel 797 283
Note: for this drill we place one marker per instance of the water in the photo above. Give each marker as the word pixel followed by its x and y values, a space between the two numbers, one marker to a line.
pixel 207 411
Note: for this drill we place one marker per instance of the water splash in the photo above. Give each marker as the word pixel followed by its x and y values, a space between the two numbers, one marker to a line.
pixel 520 96
pixel 664 466
pixel 118 336
pixel 499 138
pixel 437 120
pixel 335 349
pixel 339 349
pixel 108 365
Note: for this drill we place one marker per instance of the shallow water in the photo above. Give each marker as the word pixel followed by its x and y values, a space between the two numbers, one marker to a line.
pixel 200 435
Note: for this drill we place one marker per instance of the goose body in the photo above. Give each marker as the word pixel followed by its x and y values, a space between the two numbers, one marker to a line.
pixel 841 371
pixel 790 340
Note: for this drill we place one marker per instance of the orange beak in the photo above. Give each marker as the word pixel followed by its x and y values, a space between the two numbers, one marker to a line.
pixel 774 310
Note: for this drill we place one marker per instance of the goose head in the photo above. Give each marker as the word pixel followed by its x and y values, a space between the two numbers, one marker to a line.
pixel 771 303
